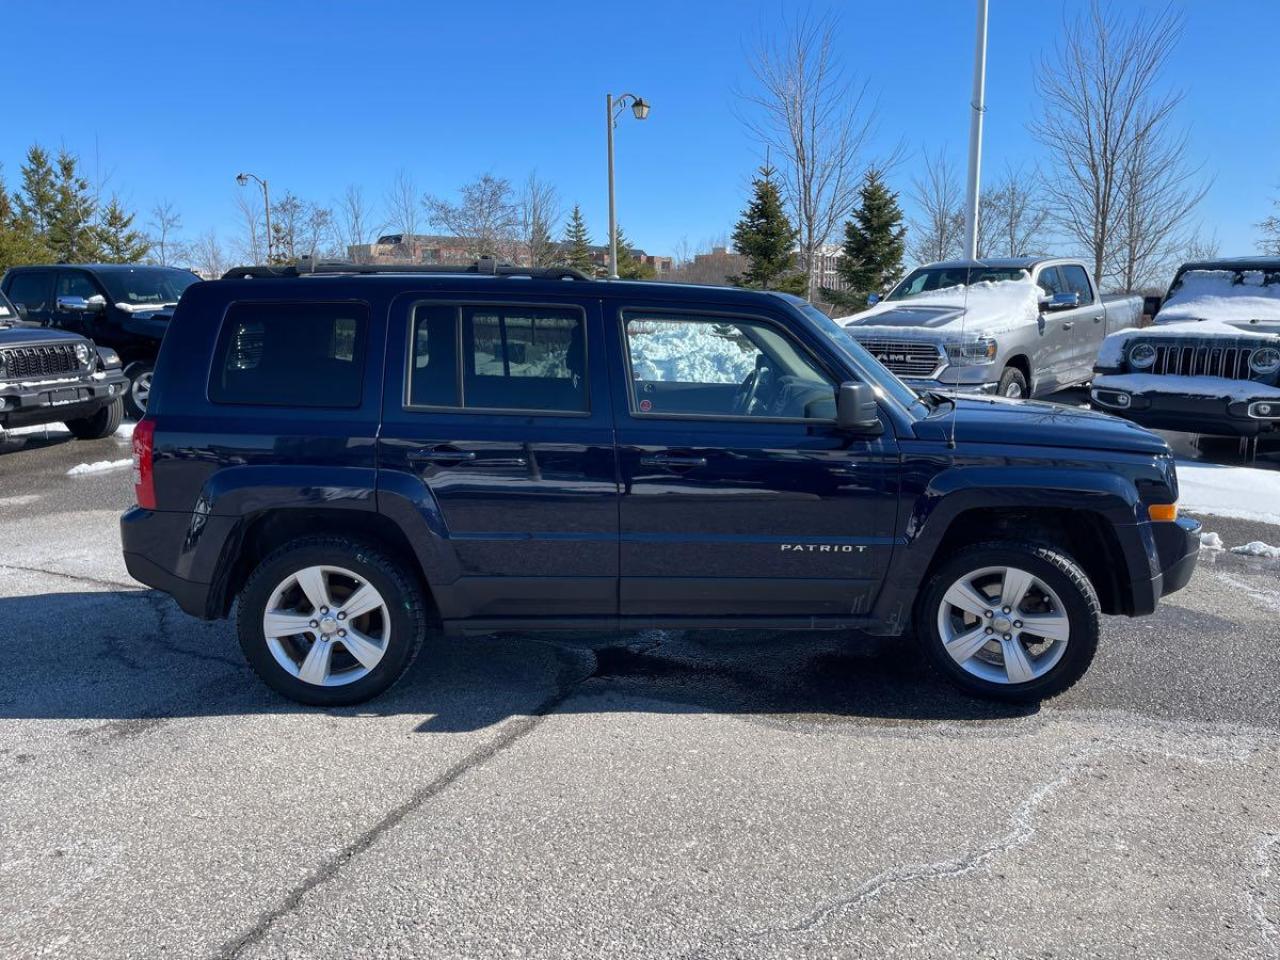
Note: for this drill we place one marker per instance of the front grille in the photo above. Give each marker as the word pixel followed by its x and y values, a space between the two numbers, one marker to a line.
pixel 34 363
pixel 906 358
pixel 1190 359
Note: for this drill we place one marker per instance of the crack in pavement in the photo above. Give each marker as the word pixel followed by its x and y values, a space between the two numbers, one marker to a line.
pixel 1022 830
pixel 514 730
pixel 75 577
pixel 1256 896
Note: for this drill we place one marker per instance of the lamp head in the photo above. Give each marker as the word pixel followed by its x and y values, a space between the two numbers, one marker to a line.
pixel 242 179
pixel 640 108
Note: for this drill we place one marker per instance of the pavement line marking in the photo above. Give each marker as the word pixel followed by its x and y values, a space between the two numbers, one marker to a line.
pixel 1256 898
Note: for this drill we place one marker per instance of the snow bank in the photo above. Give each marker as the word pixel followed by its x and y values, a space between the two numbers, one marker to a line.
pixel 125 430
pixel 984 308
pixel 1257 548
pixel 1215 295
pixel 1210 541
pixel 1243 493
pixel 53 429
pixel 100 466
pixel 689 352
pixel 1114 346
pixel 1209 387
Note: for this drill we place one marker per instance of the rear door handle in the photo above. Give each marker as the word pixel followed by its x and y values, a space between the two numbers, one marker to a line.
pixel 674 462
pixel 441 455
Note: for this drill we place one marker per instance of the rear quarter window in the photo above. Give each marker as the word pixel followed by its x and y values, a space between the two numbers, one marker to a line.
pixel 291 354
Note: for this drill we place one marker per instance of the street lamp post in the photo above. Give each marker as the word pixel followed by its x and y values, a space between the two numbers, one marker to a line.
pixel 613 107
pixel 242 179
pixel 978 106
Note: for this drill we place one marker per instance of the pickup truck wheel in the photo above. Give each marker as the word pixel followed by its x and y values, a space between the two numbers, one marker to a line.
pixel 1013 384
pixel 328 621
pixel 102 424
pixel 1010 621
pixel 139 392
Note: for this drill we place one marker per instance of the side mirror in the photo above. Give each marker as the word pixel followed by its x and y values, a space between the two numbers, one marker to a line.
pixel 1061 301
pixel 22 310
pixel 856 409
pixel 72 305
pixel 96 304
pixel 873 299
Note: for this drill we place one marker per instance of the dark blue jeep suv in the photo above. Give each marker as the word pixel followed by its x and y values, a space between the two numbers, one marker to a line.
pixel 351 456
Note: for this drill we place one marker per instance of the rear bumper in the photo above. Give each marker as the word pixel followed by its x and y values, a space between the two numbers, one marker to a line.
pixel 192 597
pixel 176 553
pixel 1185 412
pixel 22 404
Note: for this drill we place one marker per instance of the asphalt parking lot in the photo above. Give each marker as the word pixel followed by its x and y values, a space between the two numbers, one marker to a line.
pixel 674 794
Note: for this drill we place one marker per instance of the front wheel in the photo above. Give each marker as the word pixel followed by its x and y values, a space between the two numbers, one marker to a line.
pixel 102 424
pixel 1010 621
pixel 139 392
pixel 328 621
pixel 1013 384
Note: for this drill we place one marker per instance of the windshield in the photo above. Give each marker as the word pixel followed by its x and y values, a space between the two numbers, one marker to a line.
pixel 926 279
pixel 884 381
pixel 146 286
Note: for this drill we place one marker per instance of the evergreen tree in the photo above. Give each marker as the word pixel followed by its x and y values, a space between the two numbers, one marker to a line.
pixel 874 241
pixel 631 267
pixel 766 238
pixel 72 235
pixel 38 195
pixel 18 242
pixel 577 243
pixel 119 241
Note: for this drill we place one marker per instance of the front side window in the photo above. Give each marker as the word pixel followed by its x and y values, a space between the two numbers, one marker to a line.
pixel 76 285
pixel 696 365
pixel 31 290
pixel 291 354
pixel 1050 282
pixel 499 358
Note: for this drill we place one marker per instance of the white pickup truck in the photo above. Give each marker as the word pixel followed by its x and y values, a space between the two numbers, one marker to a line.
pixel 1019 327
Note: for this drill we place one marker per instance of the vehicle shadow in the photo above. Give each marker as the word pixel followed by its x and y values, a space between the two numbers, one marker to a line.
pixel 11 442
pixel 131 659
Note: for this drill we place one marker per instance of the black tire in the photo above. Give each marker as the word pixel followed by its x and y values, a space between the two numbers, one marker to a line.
pixel 102 424
pixel 399 588
pixel 1012 377
pixel 1058 572
pixel 139 373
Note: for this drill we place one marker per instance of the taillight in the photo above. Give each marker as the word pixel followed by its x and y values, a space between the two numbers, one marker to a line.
pixel 144 481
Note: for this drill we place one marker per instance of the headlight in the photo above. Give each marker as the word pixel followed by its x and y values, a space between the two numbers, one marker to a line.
pixel 83 354
pixel 1266 360
pixel 1142 356
pixel 977 351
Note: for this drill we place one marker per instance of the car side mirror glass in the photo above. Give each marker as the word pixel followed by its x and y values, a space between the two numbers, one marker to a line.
pixel 873 299
pixel 72 305
pixel 856 408
pixel 1061 301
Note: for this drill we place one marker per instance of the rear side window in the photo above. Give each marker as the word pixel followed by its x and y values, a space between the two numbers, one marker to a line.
pixel 498 357
pixel 291 354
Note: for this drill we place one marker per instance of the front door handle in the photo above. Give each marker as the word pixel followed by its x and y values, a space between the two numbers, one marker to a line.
pixel 672 462
pixel 1068 325
pixel 441 455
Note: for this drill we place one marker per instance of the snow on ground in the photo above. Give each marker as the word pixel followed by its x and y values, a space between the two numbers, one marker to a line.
pixel 1210 541
pixel 1256 548
pixel 53 429
pixel 99 466
pixel 1209 387
pixel 1243 493
pixel 987 307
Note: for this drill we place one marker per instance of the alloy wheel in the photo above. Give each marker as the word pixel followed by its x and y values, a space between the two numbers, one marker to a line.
pixel 140 390
pixel 1003 625
pixel 326 626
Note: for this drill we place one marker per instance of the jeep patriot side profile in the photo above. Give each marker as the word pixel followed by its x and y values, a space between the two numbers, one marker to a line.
pixel 349 456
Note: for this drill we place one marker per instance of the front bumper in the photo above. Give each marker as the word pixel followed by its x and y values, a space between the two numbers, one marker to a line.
pixel 943 387
pixel 48 401
pixel 1186 412
pixel 1171 553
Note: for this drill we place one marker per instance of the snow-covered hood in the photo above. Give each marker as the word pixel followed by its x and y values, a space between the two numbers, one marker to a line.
pixel 980 309
pixel 1214 295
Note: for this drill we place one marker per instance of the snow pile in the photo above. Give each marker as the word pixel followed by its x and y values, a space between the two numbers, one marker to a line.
pixel 987 307
pixel 1210 541
pixel 689 352
pixel 1115 346
pixel 125 430
pixel 1209 387
pixel 1215 295
pixel 1257 548
pixel 100 466
pixel 1243 493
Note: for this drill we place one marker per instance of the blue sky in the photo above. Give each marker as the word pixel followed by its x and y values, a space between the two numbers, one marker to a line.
pixel 173 99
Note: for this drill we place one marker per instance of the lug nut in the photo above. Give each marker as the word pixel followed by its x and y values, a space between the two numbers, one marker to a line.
pixel 342 616
pixel 1008 636
pixel 314 624
pixel 1008 610
pixel 342 633
pixel 1018 624
pixel 987 614
pixel 989 630
pixel 326 610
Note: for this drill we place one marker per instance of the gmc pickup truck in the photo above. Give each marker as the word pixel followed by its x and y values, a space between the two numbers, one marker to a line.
pixel 1023 327
pixel 350 455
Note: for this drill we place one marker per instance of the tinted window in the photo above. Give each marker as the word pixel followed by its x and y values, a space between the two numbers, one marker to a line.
pixel 511 358
pixel 1077 281
pixel 928 279
pixel 292 354
pixel 76 285
pixel 31 290
pixel 1050 282
pixel 147 286
pixel 722 367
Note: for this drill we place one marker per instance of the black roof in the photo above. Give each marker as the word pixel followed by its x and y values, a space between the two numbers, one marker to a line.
pixel 98 267
pixel 1233 263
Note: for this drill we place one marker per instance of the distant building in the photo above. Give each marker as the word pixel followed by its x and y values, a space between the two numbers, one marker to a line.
pixel 418 248
pixel 828 276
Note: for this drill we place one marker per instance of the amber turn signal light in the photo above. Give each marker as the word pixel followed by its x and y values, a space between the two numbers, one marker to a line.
pixel 1163 511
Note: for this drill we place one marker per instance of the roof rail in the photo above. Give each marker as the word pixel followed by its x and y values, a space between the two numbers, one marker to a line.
pixel 485 266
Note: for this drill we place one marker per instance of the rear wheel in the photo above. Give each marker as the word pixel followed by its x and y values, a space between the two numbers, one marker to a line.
pixel 139 393
pixel 101 424
pixel 330 622
pixel 1011 621
pixel 1013 384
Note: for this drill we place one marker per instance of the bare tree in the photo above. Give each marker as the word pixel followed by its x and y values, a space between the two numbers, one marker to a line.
pixel 1012 216
pixel 937 233
pixel 1270 227
pixel 300 228
pixel 487 219
pixel 354 224
pixel 1101 106
pixel 165 223
pixel 683 253
pixel 817 121
pixel 207 255
pixel 251 244
pixel 540 213
pixel 403 207
pixel 1201 247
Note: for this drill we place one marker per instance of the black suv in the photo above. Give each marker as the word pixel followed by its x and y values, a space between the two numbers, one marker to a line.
pixel 352 456
pixel 122 306
pixel 48 376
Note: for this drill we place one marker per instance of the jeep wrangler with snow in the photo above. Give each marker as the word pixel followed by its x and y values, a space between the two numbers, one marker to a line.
pixel 369 452
pixel 1211 362
pixel 48 376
